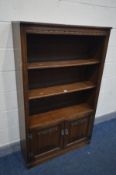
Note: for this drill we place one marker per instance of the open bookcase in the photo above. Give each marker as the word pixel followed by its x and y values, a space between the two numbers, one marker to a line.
pixel 59 71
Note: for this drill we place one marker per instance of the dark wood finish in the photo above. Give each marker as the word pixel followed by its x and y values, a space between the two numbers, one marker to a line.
pixel 75 130
pixel 42 142
pixel 59 70
pixel 58 115
pixel 39 160
pixel 37 78
pixel 19 53
pixel 60 101
pixel 61 89
pixel 44 48
pixel 56 64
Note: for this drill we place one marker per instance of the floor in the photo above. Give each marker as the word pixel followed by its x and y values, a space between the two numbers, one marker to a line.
pixel 98 158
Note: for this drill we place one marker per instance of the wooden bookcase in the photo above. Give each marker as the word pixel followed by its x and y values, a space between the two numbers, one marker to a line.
pixel 58 70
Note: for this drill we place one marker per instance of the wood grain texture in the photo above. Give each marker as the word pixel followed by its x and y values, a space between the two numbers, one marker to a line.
pixel 69 30
pixel 38 160
pixel 53 117
pixel 58 82
pixel 56 64
pixel 61 89
pixel 20 87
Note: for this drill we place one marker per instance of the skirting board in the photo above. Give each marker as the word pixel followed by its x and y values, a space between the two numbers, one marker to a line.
pixel 105 117
pixel 14 147
pixel 10 148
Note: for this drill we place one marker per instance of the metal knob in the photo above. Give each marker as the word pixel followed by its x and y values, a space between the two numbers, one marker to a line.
pixel 66 131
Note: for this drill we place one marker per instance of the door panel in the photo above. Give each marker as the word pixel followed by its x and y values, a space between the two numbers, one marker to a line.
pixel 47 140
pixel 76 130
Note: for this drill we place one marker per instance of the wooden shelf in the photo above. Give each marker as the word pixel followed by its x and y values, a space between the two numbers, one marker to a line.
pixel 57 64
pixel 55 116
pixel 60 89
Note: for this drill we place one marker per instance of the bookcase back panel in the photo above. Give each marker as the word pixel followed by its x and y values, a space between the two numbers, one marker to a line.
pixel 50 103
pixel 50 77
pixel 62 47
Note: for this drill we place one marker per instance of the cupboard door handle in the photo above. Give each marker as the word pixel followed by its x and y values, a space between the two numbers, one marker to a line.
pixel 62 132
pixel 66 131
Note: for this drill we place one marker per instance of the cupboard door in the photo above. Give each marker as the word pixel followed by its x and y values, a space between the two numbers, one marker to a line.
pixel 76 130
pixel 46 140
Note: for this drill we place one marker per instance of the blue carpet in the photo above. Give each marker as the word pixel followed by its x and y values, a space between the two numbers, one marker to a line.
pixel 98 158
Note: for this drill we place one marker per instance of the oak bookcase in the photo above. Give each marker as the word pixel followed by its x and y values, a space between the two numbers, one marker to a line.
pixel 58 71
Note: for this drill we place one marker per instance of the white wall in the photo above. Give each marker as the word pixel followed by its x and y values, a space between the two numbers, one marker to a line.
pixel 79 12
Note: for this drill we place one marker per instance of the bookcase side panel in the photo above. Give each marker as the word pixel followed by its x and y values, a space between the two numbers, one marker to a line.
pixel 19 85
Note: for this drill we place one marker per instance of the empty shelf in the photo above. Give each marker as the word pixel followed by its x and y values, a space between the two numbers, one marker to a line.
pixel 60 89
pixel 58 115
pixel 58 64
